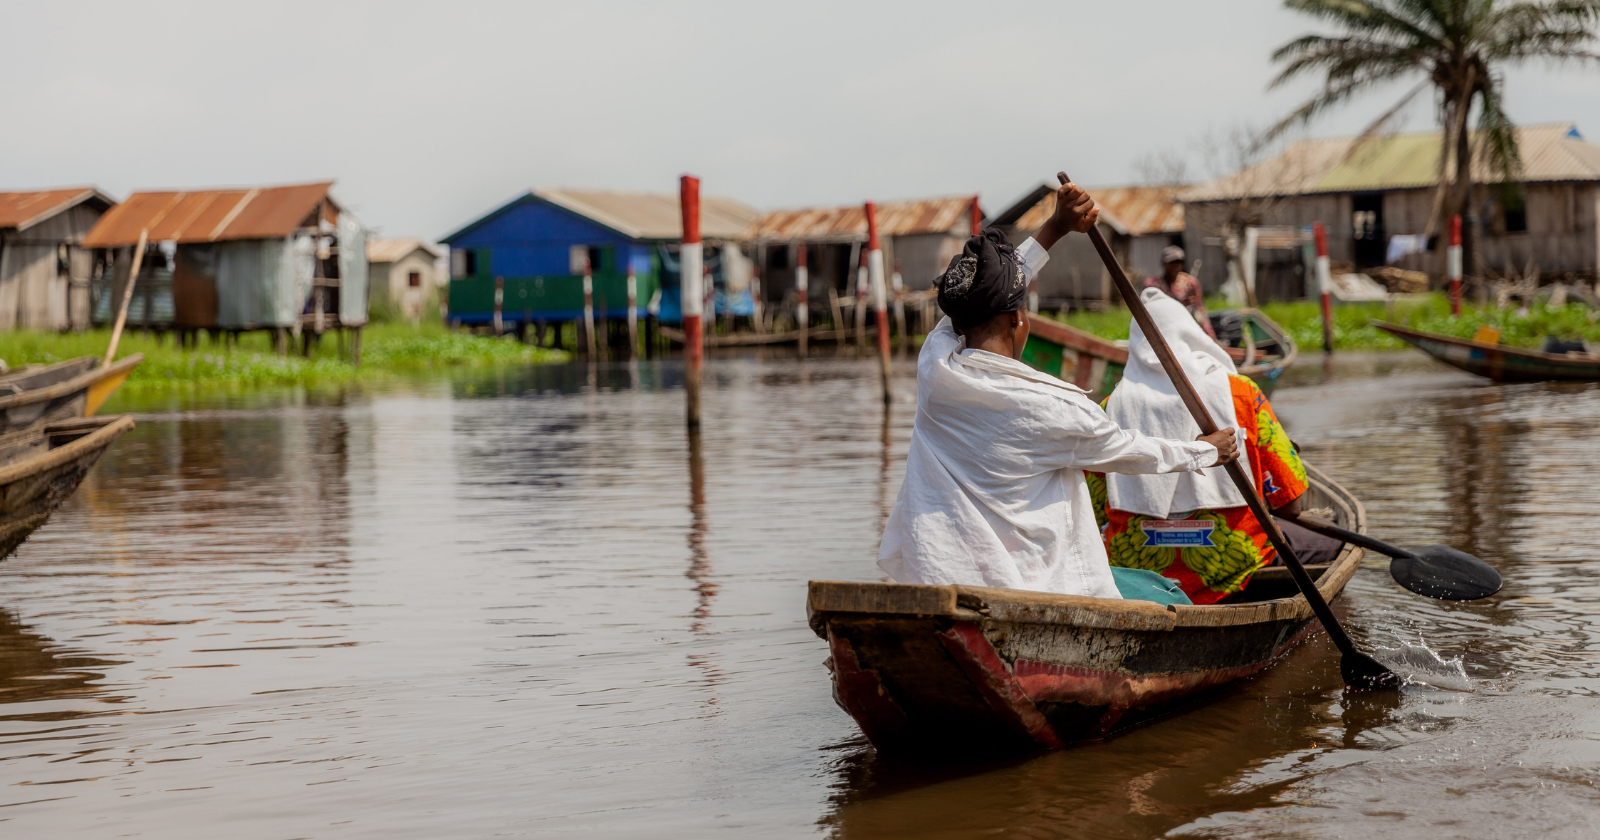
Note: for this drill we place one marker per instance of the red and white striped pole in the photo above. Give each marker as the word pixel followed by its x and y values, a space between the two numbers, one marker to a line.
pixel 588 307
pixel 1453 260
pixel 880 296
pixel 691 295
pixel 755 295
pixel 1325 282
pixel 802 291
pixel 633 312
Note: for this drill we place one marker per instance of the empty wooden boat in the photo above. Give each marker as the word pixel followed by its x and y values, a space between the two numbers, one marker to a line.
pixel 1260 348
pixel 40 394
pixel 945 668
pixel 42 466
pixel 1497 361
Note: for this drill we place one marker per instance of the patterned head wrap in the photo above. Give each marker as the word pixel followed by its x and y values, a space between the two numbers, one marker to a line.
pixel 984 280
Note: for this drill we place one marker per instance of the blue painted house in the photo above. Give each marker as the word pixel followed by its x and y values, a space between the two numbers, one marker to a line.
pixel 537 245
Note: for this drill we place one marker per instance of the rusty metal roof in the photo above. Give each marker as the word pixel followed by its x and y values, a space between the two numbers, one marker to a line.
pixel 1550 153
pixel 22 210
pixel 895 218
pixel 209 215
pixel 1135 211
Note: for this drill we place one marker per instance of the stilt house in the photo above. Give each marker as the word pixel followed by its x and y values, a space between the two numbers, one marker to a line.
pixel 524 261
pixel 286 259
pixel 45 270
pixel 1137 223
pixel 402 273
pixel 1374 200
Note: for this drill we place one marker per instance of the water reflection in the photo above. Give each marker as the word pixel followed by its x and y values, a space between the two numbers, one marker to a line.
pixel 483 604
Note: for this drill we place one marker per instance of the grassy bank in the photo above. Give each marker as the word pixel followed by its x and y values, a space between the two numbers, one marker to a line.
pixel 386 350
pixel 1352 329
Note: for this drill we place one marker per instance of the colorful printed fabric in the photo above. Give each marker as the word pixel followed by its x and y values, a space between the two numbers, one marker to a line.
pixel 1211 553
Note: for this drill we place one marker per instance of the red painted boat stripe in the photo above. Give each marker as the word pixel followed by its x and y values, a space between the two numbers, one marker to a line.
pixel 996 683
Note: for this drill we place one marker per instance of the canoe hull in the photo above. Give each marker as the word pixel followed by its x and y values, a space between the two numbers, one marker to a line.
pixel 63 391
pixel 975 669
pixel 1497 362
pixel 45 466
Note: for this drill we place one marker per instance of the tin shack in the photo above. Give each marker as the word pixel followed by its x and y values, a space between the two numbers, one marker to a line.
pixel 45 270
pixel 286 259
pixel 532 253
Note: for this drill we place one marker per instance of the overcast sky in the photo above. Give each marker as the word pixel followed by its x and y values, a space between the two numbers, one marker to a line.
pixel 430 114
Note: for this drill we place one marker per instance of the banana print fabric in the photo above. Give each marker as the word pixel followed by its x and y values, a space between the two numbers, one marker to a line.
pixel 1211 553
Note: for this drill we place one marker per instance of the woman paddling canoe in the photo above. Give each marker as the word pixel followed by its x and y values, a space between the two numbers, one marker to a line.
pixel 994 493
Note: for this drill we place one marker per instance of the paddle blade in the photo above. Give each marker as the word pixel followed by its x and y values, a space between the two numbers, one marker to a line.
pixel 1362 672
pixel 1439 571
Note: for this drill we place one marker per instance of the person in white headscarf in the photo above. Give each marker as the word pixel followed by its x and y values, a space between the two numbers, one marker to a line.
pixel 1195 527
pixel 994 492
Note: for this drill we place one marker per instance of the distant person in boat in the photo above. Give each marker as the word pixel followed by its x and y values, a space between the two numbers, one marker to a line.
pixel 994 492
pixel 1195 527
pixel 1182 286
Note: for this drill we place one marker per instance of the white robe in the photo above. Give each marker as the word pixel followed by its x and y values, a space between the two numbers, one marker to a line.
pixel 994 493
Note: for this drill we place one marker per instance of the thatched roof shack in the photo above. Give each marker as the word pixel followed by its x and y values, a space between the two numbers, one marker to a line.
pixel 283 258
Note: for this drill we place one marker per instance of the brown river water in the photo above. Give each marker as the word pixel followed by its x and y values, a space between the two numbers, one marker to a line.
pixel 521 603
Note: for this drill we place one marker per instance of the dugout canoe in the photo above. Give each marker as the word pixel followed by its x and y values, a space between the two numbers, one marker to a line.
pixel 1497 361
pixel 40 394
pixel 1261 349
pixel 973 669
pixel 42 466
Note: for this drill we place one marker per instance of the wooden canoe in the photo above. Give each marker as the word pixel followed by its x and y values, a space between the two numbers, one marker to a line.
pixel 41 467
pixel 1497 361
pixel 1261 349
pixel 963 668
pixel 40 394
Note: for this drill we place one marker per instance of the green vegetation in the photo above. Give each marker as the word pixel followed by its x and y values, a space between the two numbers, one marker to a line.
pixel 386 350
pixel 1352 329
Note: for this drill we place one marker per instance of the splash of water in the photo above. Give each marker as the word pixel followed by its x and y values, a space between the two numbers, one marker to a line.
pixel 1419 664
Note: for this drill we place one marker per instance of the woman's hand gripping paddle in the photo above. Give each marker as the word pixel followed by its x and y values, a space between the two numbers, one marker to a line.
pixel 1359 669
pixel 1437 571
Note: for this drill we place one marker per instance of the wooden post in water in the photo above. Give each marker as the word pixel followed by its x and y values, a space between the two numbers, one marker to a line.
pixel 1453 261
pixel 1325 282
pixel 127 297
pixel 880 297
pixel 588 308
pixel 977 217
pixel 802 290
pixel 862 283
pixel 691 293
pixel 898 286
pixel 633 313
pixel 499 324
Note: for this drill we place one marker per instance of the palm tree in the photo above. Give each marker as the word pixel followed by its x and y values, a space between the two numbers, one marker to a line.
pixel 1459 47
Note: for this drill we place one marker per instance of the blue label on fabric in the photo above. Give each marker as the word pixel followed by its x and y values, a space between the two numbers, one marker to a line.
pixel 1177 533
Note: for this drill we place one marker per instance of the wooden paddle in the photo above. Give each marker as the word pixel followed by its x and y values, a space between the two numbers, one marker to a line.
pixel 1359 669
pixel 1437 571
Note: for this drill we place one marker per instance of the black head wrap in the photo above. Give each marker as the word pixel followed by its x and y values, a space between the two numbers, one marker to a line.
pixel 984 280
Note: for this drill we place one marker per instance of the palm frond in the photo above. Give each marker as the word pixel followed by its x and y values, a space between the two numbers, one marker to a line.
pixel 1497 134
pixel 1336 92
pixel 1373 16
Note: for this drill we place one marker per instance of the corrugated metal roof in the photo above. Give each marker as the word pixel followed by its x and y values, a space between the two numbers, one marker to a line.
pixel 1135 211
pixel 895 218
pixel 394 250
pixel 22 210
pixel 208 215
pixel 653 215
pixel 1407 161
